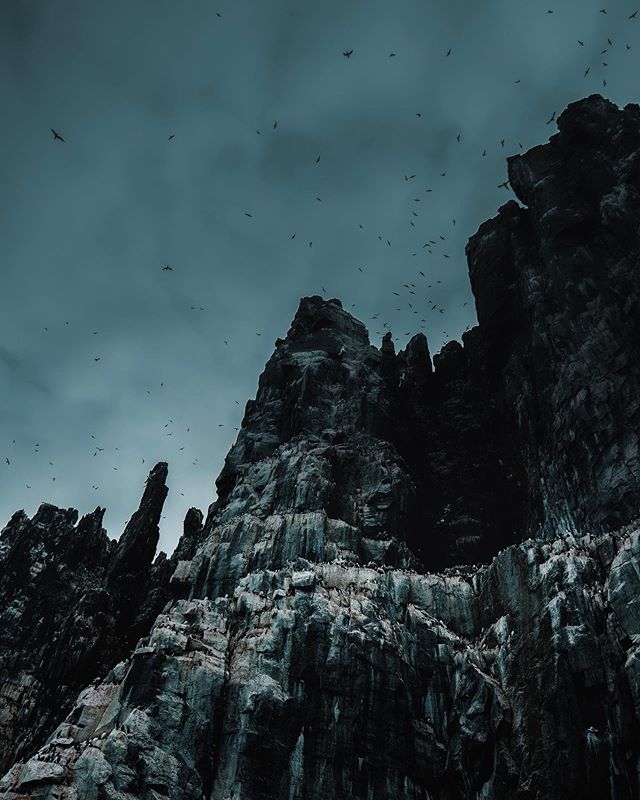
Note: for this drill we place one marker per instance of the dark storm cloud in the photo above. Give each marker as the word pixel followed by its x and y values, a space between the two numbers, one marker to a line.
pixel 87 226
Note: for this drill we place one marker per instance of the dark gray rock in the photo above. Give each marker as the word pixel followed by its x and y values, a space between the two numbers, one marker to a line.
pixel 420 577
pixel 73 604
pixel 557 295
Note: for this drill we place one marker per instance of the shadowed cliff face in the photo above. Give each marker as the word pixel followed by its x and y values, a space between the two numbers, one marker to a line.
pixel 556 287
pixel 329 630
pixel 73 603
pixel 530 427
pixel 384 452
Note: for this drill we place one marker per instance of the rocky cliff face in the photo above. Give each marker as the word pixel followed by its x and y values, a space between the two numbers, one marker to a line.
pixel 73 603
pixel 416 581
pixel 556 287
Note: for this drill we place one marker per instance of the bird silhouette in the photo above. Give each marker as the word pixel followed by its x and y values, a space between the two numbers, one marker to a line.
pixel 173 136
pixel 633 16
pixel 551 118
pixel 347 53
pixel 165 269
pixel 56 135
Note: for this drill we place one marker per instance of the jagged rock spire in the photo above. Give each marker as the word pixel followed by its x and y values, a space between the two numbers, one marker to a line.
pixel 137 545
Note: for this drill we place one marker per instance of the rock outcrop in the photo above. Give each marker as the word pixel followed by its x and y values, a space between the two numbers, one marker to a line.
pixel 73 604
pixel 420 578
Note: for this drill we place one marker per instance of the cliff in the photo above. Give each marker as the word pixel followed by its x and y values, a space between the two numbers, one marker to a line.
pixel 420 576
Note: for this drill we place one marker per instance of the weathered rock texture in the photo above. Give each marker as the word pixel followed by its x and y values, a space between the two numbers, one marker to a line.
pixel 73 604
pixel 326 631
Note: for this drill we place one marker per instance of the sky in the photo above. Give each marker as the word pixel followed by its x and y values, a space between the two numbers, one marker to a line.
pixel 181 119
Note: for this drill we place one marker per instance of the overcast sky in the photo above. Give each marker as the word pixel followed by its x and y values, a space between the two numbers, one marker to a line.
pixel 86 226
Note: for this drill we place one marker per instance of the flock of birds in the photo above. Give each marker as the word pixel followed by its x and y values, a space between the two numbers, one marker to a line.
pixel 409 296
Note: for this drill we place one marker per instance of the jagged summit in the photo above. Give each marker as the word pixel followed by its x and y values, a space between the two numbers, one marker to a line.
pixel 322 323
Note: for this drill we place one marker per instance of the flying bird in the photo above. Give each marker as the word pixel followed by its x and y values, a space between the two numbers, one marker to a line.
pixel 551 118
pixel 449 52
pixel 633 16
pixel 347 53
pixel 165 269
pixel 173 136
pixel 580 43
pixel 504 185
pixel 56 135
